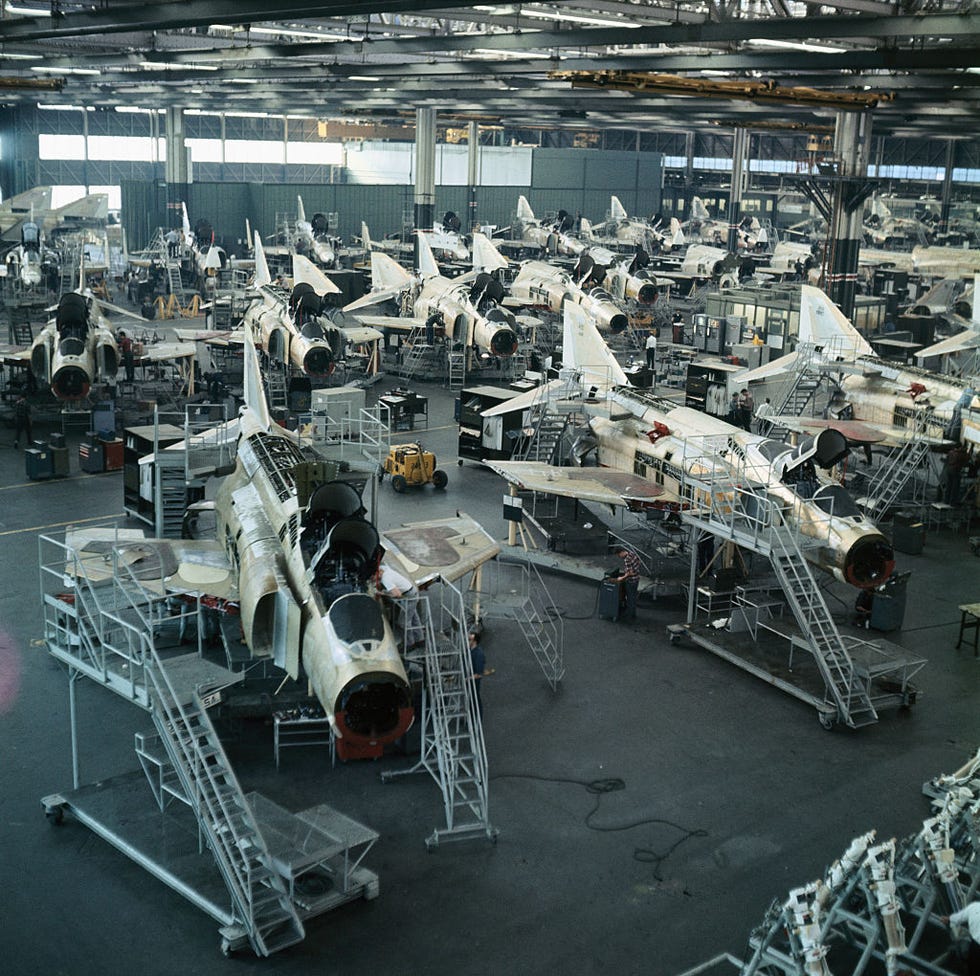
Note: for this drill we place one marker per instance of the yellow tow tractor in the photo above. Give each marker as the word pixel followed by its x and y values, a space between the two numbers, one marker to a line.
pixel 411 465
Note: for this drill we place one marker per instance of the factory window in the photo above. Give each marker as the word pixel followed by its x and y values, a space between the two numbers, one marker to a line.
pixel 138 148
pixel 253 151
pixel 60 147
pixel 315 153
pixel 204 150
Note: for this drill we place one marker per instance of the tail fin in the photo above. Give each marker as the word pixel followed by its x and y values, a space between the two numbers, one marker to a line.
pixel 248 233
pixel 585 228
pixel 185 222
pixel 262 275
pixel 300 211
pixel 254 393
pixel 304 270
pixel 676 234
pixel 428 268
pixel 486 257
pixel 824 324
pixel 616 210
pixel 698 210
pixel 524 211
pixel 585 351
pixel 366 240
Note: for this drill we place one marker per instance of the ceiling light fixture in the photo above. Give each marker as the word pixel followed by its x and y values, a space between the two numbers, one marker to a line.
pixel 27 11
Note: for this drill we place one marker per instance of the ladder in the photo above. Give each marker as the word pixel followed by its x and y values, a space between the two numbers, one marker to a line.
pixel 170 496
pixel 798 393
pixel 453 750
pixel 543 631
pixel 175 283
pixel 544 437
pixel 418 350
pixel 21 331
pixel 848 689
pixel 457 369
pixel 898 468
pixel 258 894
pixel 275 379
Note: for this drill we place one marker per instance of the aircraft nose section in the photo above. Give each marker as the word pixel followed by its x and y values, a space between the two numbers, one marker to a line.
pixel 869 562
pixel 70 383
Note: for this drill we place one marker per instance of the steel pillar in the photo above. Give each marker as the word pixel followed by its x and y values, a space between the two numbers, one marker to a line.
pixel 739 146
pixel 947 184
pixel 472 170
pixel 176 167
pixel 852 141
pixel 425 173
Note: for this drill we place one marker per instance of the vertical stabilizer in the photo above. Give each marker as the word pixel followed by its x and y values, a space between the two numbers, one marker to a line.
pixel 524 211
pixel 248 233
pixel 262 275
pixel 366 237
pixel 305 271
pixel 676 234
pixel 585 229
pixel 300 211
pixel 698 209
pixel 584 350
pixel 486 257
pixel 255 401
pixel 428 268
pixel 616 210
pixel 185 222
pixel 823 324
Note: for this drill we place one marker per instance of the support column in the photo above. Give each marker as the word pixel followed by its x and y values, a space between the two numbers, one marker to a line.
pixel 19 153
pixel 425 173
pixel 472 170
pixel 852 142
pixel 738 184
pixel 688 174
pixel 177 167
pixel 85 181
pixel 947 184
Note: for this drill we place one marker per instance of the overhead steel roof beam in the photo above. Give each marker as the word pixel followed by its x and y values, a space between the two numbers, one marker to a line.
pixel 890 59
pixel 200 13
pixel 162 16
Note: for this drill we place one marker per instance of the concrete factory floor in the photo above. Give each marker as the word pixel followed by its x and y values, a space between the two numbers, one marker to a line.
pixel 732 793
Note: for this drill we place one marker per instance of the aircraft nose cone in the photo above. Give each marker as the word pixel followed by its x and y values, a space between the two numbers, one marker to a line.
pixel 70 383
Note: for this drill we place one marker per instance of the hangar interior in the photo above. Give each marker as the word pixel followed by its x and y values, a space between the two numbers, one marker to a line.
pixel 332 351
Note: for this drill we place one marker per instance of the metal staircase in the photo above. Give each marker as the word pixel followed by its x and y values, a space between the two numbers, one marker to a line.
pixel 899 467
pixel 543 437
pixel 275 378
pixel 453 750
pixel 848 689
pixel 259 897
pixel 418 350
pixel 170 494
pixel 457 369
pixel 798 393
pixel 755 523
pixel 543 631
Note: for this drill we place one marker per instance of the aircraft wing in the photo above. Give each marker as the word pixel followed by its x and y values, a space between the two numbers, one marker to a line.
pixel 968 339
pixel 401 322
pixel 160 352
pixel 179 566
pixel 859 431
pixel 448 548
pixel 588 484
pixel 234 337
pixel 856 431
pixel 359 334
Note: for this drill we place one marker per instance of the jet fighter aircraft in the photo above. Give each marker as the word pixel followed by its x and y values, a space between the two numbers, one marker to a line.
pixel 467 308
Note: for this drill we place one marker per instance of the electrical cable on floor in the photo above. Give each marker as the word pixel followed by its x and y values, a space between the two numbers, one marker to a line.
pixel 599 787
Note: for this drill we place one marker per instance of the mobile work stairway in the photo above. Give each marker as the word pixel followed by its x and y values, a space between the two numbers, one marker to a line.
pixel 106 627
pixel 756 523
pixel 542 434
pixel 453 751
pixel 900 467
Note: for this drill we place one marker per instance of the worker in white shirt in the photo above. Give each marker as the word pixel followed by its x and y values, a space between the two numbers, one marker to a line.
pixel 763 411
pixel 404 594
pixel 651 347
pixel 968 918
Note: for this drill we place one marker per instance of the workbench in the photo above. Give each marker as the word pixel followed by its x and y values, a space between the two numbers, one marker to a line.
pixel 970 620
